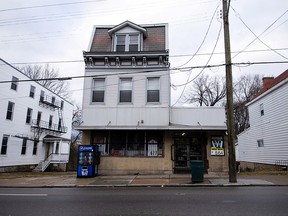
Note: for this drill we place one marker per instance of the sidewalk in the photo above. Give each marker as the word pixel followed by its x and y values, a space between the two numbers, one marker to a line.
pixel 173 180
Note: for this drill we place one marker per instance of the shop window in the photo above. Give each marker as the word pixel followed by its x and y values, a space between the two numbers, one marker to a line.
pixel 130 143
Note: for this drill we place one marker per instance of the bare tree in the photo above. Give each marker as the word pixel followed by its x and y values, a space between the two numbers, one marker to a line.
pixel 206 91
pixel 245 88
pixel 48 77
pixel 75 137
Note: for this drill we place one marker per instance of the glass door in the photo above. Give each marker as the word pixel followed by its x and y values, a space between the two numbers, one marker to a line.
pixel 184 150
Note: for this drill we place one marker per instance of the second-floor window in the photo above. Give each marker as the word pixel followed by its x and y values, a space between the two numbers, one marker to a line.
pixel 29 115
pixel 127 42
pixel 153 89
pixel 10 109
pixel 125 90
pixel 14 83
pixel 98 92
pixel 32 91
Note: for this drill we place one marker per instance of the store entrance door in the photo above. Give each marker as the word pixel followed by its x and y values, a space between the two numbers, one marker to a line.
pixel 184 150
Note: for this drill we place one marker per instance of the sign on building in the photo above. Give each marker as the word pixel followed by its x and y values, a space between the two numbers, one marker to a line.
pixel 217 146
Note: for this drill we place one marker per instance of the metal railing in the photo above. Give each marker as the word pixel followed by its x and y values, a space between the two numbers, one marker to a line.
pixel 281 165
pixel 48 126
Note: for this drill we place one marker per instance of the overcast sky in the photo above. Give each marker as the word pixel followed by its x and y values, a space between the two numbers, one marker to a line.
pixel 57 31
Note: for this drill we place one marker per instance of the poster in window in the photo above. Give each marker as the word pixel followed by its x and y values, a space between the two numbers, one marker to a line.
pixel 152 148
pixel 217 146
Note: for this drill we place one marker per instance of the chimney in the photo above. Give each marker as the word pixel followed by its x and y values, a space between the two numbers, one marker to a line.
pixel 267 82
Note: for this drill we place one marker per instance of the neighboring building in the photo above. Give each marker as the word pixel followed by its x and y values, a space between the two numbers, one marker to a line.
pixel 265 143
pixel 126 107
pixel 35 126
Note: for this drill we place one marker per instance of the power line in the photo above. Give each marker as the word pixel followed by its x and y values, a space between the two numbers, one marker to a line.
pixel 260 34
pixel 217 39
pixel 206 34
pixel 180 70
pixel 171 56
pixel 257 37
pixel 50 5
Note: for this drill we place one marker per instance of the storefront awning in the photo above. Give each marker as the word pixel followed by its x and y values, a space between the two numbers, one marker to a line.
pixel 169 127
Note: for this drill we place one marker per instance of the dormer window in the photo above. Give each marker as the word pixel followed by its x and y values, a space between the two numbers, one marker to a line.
pixel 127 42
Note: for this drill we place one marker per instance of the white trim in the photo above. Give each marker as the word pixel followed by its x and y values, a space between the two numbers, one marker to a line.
pixel 91 38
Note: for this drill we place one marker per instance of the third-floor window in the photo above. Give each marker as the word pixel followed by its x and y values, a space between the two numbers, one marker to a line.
pixel 32 91
pixel 127 42
pixel 14 83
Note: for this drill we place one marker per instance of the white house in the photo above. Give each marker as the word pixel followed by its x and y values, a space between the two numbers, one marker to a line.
pixel 265 142
pixel 35 124
pixel 126 106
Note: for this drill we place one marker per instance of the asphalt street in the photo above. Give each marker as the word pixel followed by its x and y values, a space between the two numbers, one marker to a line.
pixel 144 201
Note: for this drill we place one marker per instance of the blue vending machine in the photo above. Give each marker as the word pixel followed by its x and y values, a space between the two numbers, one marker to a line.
pixel 88 161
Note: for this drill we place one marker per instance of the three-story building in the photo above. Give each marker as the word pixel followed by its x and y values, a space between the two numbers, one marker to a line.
pixel 126 106
pixel 35 127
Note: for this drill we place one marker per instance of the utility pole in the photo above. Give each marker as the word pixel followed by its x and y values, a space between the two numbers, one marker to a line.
pixel 229 95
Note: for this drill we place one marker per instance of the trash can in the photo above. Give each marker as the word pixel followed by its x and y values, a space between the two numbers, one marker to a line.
pixel 197 170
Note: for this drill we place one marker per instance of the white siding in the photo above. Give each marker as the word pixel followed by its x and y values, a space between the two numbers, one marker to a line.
pixel 272 127
pixel 18 124
pixel 199 116
pixel 126 114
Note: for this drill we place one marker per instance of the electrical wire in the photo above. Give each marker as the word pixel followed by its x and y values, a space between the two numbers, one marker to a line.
pixel 171 56
pixel 206 34
pixel 260 34
pixel 148 71
pixel 51 5
pixel 257 37
pixel 218 36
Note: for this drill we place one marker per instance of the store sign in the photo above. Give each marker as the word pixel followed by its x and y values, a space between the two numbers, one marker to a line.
pixel 217 146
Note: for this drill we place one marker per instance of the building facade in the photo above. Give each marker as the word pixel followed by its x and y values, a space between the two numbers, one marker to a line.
pixel 35 127
pixel 126 106
pixel 265 143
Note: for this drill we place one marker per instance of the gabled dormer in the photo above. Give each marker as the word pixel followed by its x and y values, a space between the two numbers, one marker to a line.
pixel 127 37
